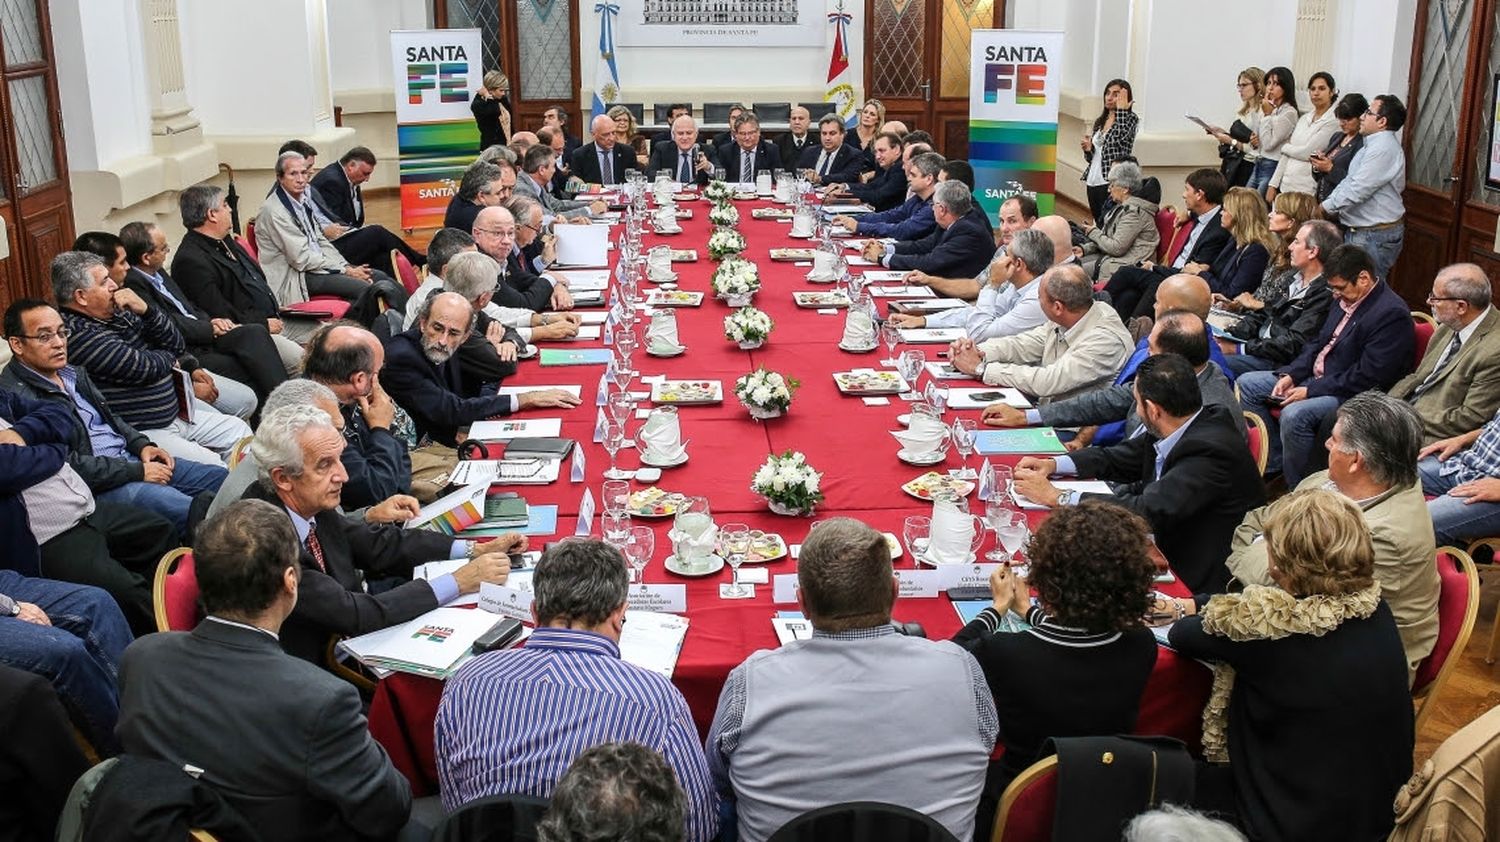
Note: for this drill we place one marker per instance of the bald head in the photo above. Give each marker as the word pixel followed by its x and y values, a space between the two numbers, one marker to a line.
pixel 1057 230
pixel 495 232
pixel 895 126
pixel 346 358
pixel 603 130
pixel 1184 292
pixel 527 139
pixel 494 217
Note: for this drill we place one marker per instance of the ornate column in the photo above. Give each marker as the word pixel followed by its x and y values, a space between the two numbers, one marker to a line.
pixel 171 113
pixel 1312 49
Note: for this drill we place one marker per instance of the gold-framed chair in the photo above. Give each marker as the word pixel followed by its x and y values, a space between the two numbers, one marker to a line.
pixel 174 592
pixel 1025 812
pixel 1458 605
pixel 1259 439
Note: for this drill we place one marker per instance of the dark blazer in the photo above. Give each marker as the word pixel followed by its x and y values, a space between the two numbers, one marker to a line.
pixel 377 462
pixel 1293 322
pixel 1345 693
pixel 40 759
pixel 1208 246
pixel 47 428
pixel 227 284
pixel 962 250
pixel 486 113
pixel 767 157
pixel 197 331
pixel 308 768
pixel 431 394
pixel 461 214
pixel 665 156
pixel 336 196
pixel 1208 483
pixel 848 163
pixel 480 369
pixel 335 603
pixel 1376 348
pixel 886 190
pixel 1235 270
pixel 586 163
pixel 518 286
pixel 791 153
pixel 102 473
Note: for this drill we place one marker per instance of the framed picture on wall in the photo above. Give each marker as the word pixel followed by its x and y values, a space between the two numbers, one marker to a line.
pixel 1492 172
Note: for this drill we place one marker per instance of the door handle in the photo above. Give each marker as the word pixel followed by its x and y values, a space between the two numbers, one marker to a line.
pixel 926 87
pixel 1452 179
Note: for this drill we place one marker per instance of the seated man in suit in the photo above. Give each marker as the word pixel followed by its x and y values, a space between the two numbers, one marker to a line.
pixel 1456 386
pixel 528 324
pixel 501 730
pixel 1016 214
pixel 1372 460
pixel 831 161
pixel 1009 302
pixel 422 376
pixel 1367 342
pixel 489 354
pixel 749 154
pixel 483 185
pixel 535 182
pixel 1190 475
pixel 336 191
pixel 1275 334
pixel 683 157
pixel 220 277
pixel 726 138
pixel 603 161
pixel 887 188
pixel 796 138
pixel 910 220
pixel 1081 348
pixel 298 258
pixel 495 233
pixel 312 770
pixel 242 352
pixel 297 452
pixel 961 244
pixel 1202 194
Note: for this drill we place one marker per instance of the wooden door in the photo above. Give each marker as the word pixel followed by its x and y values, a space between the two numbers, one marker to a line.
pixel 917 63
pixel 35 200
pixel 535 43
pixel 1451 212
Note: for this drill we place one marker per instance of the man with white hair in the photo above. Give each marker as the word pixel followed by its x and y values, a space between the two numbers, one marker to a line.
pixel 422 376
pixel 1016 214
pixel 538 167
pixel 297 450
pixel 683 157
pixel 961 245
pixel 602 161
pixel 489 355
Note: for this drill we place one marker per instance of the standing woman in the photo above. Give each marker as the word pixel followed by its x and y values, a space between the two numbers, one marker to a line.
pixel 1331 165
pixel 491 107
pixel 1238 155
pixel 1279 117
pixel 1112 138
pixel 1313 132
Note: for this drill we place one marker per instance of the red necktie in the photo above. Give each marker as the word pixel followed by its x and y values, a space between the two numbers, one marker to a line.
pixel 315 546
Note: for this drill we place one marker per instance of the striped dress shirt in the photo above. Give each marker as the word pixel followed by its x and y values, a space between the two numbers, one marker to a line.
pixel 130 359
pixel 511 722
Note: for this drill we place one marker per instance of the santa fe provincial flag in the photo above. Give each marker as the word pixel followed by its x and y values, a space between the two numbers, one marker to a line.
pixel 845 72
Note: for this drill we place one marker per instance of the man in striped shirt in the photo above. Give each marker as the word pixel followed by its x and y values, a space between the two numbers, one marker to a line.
pixel 511 722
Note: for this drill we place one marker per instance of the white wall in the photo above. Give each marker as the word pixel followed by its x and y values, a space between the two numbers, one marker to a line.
pixel 359 39
pixel 1372 49
pixel 101 81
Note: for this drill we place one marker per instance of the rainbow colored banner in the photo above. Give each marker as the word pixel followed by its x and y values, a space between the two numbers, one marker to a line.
pixel 433 159
pixel 1015 84
pixel 436 72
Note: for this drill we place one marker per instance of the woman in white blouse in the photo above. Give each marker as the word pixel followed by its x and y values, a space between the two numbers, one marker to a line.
pixel 1278 119
pixel 1313 132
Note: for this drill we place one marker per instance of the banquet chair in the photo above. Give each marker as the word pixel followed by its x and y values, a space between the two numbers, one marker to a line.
pixel 659 113
pixel 1458 603
pixel 1026 806
pixel 1493 545
pixel 817 110
pixel 248 241
pixel 863 821
pixel 405 272
pixel 354 675
pixel 773 112
pixel 498 818
pixel 1421 317
pixel 1425 327
pixel 237 454
pixel 1259 439
pixel 717 113
pixel 636 109
pixel 174 592
pixel 1171 237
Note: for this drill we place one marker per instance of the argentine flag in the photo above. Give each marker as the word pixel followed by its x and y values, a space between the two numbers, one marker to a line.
pixel 606 75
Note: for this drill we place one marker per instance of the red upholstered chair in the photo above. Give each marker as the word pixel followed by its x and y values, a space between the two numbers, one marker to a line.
pixel 1425 326
pixel 1458 603
pixel 174 592
pixel 248 246
pixel 1259 440
pixel 1172 238
pixel 406 272
pixel 248 241
pixel 1026 806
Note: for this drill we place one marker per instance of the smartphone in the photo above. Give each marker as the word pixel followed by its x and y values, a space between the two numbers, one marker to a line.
pixel 986 396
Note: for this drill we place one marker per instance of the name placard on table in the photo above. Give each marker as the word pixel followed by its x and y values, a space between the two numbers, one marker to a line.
pixel 671 599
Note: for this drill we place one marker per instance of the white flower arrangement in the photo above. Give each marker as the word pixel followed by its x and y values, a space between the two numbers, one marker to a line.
pixel 724 242
pixel 788 483
pixel 735 276
pixel 718 192
pixel 724 215
pixel 765 389
pixel 747 324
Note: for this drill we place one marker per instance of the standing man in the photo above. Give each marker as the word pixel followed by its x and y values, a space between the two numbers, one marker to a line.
pixel 748 154
pixel 603 161
pixel 683 157
pixel 337 192
pixel 796 139
pixel 1367 203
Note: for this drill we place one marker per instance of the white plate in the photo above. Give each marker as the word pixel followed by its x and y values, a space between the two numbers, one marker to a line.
pixel 667 463
pixel 843 347
pixel 904 419
pixel 679 352
pixel 715 564
pixel 922 458
pixel 666 232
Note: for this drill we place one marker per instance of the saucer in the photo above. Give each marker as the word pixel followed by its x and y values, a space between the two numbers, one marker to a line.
pixel 796 236
pixel 865 350
pixel 667 231
pixel 681 349
pixel 904 419
pixel 810 279
pixel 931 458
pixel 715 564
pixel 664 463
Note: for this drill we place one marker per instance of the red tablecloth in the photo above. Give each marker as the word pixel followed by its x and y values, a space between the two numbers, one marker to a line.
pixel 841 436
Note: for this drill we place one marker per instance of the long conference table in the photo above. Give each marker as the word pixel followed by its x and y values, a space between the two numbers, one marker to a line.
pixel 841 436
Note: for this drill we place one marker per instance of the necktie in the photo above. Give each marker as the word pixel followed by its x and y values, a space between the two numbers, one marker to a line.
pixel 747 166
pixel 823 160
pixel 315 546
pixel 1449 356
pixel 605 168
pixel 684 164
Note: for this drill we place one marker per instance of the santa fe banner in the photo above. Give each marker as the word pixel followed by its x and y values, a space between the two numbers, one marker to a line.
pixel 1015 81
pixel 436 72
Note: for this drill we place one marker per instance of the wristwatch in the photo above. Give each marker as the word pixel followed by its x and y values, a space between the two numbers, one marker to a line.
pixel 1064 497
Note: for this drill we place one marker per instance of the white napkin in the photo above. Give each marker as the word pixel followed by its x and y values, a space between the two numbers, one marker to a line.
pixel 763 182
pixel 659 263
pixel 859 329
pixel 925 426
pixel 661 335
pixel 823 267
pixel 782 192
pixel 666 220
pixel 952 534
pixel 662 437
pixel 802 224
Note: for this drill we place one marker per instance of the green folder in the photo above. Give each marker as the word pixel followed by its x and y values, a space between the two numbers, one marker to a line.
pixel 585 356
pixel 1028 440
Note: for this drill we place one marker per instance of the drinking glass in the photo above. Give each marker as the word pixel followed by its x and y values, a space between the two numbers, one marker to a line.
pixel 937 395
pixel 614 439
pixel 640 546
pixel 735 537
pixel 616 528
pixel 892 337
pixel 1013 534
pixel 963 440
pixel 720 173
pixel 1004 483
pixel 615 494
pixel 998 512
pixel 693 531
pixel 917 530
pixel 911 362
pixel 621 406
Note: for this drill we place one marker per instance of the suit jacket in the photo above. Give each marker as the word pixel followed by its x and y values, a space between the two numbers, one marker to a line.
pixel 1208 483
pixel 1208 245
pixel 586 163
pixel 886 190
pixel 527 186
pixel 519 287
pixel 335 195
pixel 848 163
pixel 335 602
pixel 287 253
pixel 40 760
pixel 791 153
pixel 1051 364
pixel 223 279
pixel 962 250
pixel 1293 321
pixel 1401 532
pixel 102 473
pixel 431 394
pixel 1373 352
pixel 1235 270
pixel 1466 392
pixel 47 428
pixel 197 331
pixel 311 770
pixel 665 157
pixel 462 212
pixel 767 157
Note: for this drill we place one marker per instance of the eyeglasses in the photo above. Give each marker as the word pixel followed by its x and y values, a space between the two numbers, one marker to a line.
pixel 1371 112
pixel 46 336
pixel 1433 299
pixel 496 232
pixel 531 228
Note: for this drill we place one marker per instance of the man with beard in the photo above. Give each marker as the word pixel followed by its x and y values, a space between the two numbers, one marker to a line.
pixel 422 377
